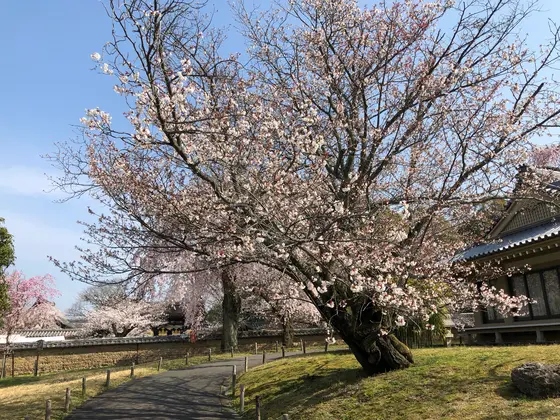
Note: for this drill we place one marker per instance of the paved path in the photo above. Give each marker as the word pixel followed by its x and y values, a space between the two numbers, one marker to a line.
pixel 193 393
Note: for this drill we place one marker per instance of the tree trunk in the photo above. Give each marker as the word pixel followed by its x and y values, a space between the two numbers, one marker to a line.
pixel 287 332
pixel 374 349
pixel 231 309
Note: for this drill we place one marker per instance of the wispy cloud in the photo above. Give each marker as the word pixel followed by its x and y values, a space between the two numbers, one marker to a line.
pixel 25 180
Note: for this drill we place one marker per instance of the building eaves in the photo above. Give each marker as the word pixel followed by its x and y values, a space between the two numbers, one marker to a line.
pixel 512 241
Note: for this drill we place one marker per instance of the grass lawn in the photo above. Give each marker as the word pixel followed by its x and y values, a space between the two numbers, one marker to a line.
pixel 26 395
pixel 444 383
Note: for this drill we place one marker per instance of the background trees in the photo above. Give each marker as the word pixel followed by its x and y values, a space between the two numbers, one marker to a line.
pixel 333 155
pixel 7 257
pixel 110 310
pixel 31 303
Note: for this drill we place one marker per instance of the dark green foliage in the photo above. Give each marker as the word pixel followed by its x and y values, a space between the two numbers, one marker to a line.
pixel 7 255
pixel 7 258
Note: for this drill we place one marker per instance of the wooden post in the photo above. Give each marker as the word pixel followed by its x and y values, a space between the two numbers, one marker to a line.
pixel 246 364
pixel 84 387
pixel 233 380
pixel 304 347
pixel 256 348
pixel 187 359
pixel 108 380
pixel 276 347
pixel 231 350
pixel 209 354
pixel 13 364
pixel 132 370
pixel 264 357
pixel 3 367
pixel 283 351
pixel 159 363
pixel 285 417
pixel 48 410
pixel 36 366
pixel 241 398
pixel 301 345
pixel 67 401
pixel 258 406
pixel 326 346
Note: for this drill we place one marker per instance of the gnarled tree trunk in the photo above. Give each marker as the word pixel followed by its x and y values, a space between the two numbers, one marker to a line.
pixel 231 309
pixel 374 349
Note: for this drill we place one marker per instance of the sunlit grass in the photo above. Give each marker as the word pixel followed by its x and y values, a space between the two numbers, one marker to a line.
pixel 444 383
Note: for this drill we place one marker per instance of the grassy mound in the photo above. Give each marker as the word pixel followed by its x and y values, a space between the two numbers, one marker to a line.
pixel 444 383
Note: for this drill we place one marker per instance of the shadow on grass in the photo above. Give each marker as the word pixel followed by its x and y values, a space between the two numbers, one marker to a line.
pixel 310 389
pixel 19 380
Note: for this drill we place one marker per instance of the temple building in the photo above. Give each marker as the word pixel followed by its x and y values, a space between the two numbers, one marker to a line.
pixel 527 235
pixel 174 323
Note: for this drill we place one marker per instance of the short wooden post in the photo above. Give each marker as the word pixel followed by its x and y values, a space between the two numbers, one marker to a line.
pixel 67 401
pixel 258 406
pixel 264 357
pixel 159 363
pixel 304 347
pixel 283 351
pixel 3 367
pixel 276 348
pixel 326 346
pixel 233 380
pixel 285 417
pixel 187 359
pixel 132 370
pixel 84 387
pixel 108 380
pixel 246 364
pixel 36 366
pixel 241 398
pixel 209 354
pixel 301 344
pixel 48 410
pixel 256 348
pixel 231 350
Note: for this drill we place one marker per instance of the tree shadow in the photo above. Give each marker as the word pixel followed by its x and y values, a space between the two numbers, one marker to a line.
pixel 313 388
pixel 19 380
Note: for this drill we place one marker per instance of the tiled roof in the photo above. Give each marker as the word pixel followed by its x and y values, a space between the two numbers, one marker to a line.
pixel 55 332
pixel 520 238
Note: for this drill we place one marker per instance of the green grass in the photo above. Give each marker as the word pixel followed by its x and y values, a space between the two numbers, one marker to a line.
pixel 444 383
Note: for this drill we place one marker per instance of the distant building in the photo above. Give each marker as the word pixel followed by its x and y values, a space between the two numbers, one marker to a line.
pixel 528 234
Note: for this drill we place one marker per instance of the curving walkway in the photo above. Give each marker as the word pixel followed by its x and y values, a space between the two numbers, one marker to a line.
pixel 192 393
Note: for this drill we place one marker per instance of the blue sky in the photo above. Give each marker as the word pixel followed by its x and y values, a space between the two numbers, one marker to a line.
pixel 46 84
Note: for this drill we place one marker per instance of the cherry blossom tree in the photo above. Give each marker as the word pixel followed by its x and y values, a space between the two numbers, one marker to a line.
pixel 112 310
pixel 332 154
pixel 31 304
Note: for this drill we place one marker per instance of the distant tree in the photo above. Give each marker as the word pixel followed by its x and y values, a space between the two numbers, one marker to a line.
pixel 31 303
pixel 112 310
pixel 7 254
pixel 7 258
